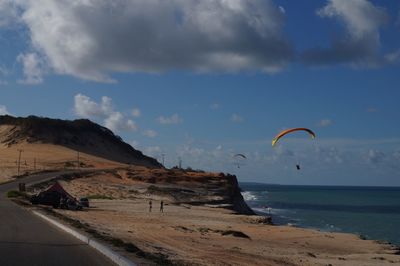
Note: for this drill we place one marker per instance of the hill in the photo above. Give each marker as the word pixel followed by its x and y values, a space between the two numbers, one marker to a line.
pixel 79 135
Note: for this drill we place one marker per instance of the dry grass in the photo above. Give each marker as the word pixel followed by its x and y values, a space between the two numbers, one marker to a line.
pixel 40 157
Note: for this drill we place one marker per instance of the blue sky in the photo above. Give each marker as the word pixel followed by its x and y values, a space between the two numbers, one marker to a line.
pixel 206 80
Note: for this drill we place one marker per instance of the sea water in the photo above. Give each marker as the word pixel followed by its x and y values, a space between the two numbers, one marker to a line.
pixel 371 212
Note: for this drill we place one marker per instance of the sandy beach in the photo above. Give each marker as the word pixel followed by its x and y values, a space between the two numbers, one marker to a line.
pixel 201 235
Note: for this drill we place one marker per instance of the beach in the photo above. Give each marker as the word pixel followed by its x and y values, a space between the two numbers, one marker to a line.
pixel 206 235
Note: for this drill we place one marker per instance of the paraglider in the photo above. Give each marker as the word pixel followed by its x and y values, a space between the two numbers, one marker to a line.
pixel 287 131
pixel 239 158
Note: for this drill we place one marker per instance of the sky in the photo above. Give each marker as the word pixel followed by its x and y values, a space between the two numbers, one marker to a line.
pixel 202 81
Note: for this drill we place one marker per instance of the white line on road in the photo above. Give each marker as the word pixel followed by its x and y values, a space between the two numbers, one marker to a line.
pixel 106 251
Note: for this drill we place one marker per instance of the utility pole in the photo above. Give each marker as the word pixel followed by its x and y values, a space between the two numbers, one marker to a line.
pixel 180 162
pixel 19 160
pixel 79 164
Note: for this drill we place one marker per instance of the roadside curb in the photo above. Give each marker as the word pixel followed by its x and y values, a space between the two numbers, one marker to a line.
pixel 106 251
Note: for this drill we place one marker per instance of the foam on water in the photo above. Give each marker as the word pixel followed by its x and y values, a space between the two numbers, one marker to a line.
pixel 249 196
pixel 373 212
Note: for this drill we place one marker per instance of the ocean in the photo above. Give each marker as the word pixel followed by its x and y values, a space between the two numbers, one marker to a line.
pixel 371 212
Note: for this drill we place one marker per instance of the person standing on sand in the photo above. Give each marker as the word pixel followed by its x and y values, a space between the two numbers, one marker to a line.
pixel 162 206
pixel 150 205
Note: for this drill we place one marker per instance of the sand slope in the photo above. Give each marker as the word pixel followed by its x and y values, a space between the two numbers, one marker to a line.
pixel 39 157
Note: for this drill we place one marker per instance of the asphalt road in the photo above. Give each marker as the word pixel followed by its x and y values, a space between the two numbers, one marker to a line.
pixel 25 239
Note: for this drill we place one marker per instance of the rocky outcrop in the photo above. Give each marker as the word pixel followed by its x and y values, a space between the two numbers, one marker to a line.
pixel 81 135
pixel 195 188
pixel 235 197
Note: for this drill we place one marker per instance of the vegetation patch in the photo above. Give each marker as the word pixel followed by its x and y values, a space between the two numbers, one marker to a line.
pixel 235 234
pixel 98 196
pixel 16 194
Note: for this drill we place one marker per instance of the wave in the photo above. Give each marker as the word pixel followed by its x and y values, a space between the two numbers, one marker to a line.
pixel 249 196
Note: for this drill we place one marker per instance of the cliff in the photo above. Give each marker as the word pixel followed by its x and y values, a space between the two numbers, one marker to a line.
pixel 186 187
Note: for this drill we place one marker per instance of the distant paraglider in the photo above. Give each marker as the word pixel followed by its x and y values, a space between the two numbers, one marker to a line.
pixel 239 158
pixel 287 131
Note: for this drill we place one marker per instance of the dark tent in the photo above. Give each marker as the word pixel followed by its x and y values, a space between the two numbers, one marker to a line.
pixel 59 189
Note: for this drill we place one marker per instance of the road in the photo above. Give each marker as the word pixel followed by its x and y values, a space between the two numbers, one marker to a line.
pixel 25 239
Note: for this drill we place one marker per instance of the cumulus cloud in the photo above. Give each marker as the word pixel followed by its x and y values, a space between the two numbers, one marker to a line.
pixel 8 13
pixel 325 122
pixel 153 151
pixel 173 119
pixel 33 68
pixel 150 133
pixel 116 122
pixel 237 118
pixel 360 44
pixel 85 107
pixel 92 39
pixel 3 110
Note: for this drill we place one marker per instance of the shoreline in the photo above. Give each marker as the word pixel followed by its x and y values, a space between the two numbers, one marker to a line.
pixel 204 235
pixel 289 216
pixel 207 236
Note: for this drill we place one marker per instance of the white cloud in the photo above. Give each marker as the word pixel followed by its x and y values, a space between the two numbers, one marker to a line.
pixel 3 110
pixel 136 112
pixel 150 133
pixel 85 107
pixel 325 122
pixel 134 143
pixel 237 118
pixel 8 13
pixel 92 39
pixel 361 43
pixel 116 122
pixel 153 151
pixel 174 119
pixel 33 68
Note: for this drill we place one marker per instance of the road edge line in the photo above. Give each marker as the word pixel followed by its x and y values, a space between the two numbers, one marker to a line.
pixel 103 249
